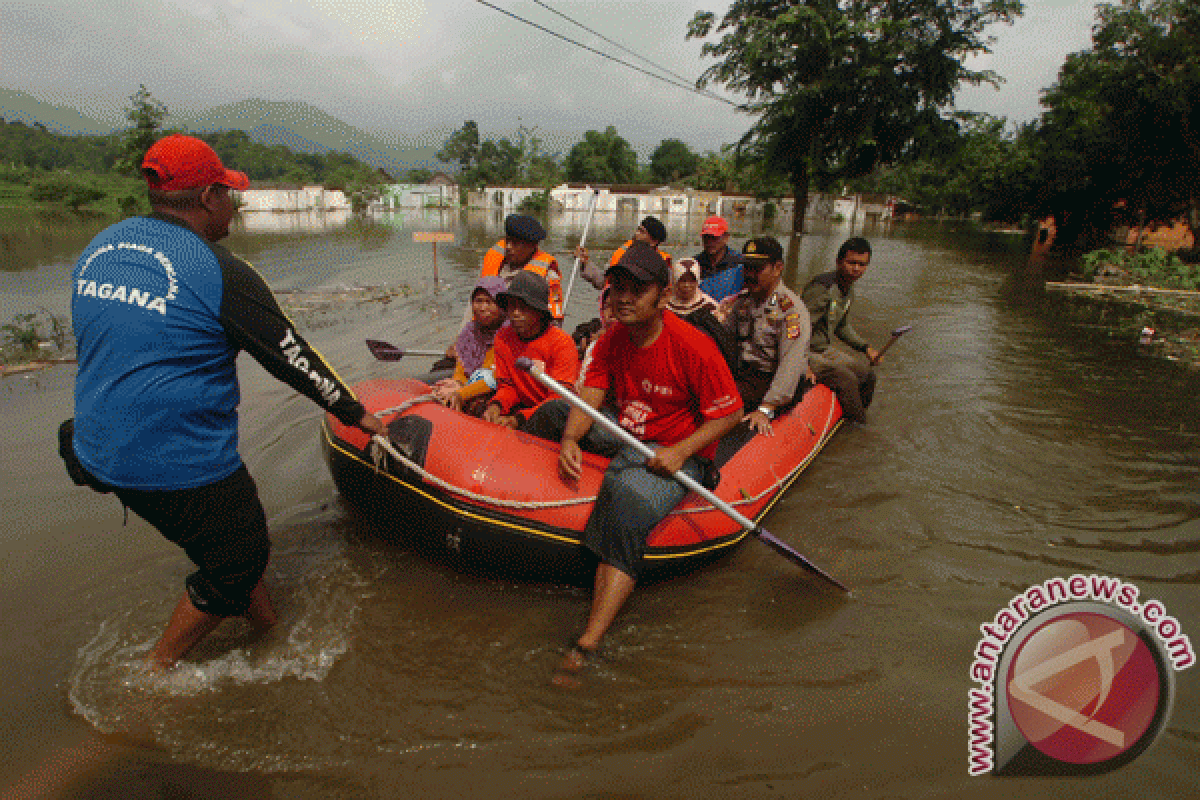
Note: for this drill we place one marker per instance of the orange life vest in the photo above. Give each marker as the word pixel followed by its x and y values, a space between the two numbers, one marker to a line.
pixel 542 264
pixel 620 251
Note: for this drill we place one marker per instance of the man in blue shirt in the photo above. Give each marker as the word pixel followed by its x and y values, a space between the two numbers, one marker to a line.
pixel 720 265
pixel 160 312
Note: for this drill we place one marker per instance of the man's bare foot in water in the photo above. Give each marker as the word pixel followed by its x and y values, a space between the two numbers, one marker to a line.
pixel 577 659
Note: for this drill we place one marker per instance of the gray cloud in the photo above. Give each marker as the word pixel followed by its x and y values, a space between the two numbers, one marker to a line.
pixel 419 67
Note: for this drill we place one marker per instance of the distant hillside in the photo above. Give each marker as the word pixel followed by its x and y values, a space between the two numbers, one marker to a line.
pixel 305 129
pixel 300 127
pixel 17 106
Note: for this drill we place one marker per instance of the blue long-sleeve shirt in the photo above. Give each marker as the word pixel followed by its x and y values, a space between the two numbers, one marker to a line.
pixel 160 315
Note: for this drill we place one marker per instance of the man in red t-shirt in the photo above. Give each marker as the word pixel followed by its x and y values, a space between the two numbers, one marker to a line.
pixel 673 390
pixel 530 334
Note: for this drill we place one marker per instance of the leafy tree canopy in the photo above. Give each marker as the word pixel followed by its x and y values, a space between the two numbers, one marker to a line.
pixel 602 157
pixel 146 116
pixel 462 146
pixel 839 86
pixel 672 161
pixel 1121 133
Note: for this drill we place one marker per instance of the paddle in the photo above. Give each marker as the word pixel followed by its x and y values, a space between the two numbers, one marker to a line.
pixel 896 334
pixel 575 269
pixel 389 352
pixel 625 436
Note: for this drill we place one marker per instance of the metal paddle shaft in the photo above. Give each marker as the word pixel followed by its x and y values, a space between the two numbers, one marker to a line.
pixel 575 269
pixel 389 352
pixel 896 334
pixel 688 481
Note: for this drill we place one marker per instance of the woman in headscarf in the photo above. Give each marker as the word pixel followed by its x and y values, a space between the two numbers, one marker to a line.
pixel 474 379
pixel 686 296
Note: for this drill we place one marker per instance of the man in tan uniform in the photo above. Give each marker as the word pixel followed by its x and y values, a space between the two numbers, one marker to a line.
pixel 773 328
pixel 828 298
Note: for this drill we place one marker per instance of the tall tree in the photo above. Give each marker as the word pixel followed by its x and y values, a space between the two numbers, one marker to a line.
pixel 499 162
pixel 672 161
pixel 146 115
pixel 1121 133
pixel 840 86
pixel 602 158
pixel 462 146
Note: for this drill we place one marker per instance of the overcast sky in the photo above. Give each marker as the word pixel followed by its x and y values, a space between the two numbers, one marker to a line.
pixel 419 68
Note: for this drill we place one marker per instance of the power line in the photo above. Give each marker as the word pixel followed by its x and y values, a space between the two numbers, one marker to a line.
pixel 624 48
pixel 634 67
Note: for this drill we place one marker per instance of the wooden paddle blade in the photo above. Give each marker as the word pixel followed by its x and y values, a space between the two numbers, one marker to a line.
pixel 786 550
pixel 384 351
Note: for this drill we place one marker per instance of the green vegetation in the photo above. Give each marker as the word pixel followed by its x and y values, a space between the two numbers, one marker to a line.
pixel 501 161
pixel 146 116
pixel 1150 267
pixel 99 174
pixel 600 157
pixel 535 203
pixel 1117 145
pixel 840 88
pixel 25 333
pixel 1120 137
pixel 603 157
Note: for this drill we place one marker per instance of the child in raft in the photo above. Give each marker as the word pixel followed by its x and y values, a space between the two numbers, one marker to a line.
pixel 474 378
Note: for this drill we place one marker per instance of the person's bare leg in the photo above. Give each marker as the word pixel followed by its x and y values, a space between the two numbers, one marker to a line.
pixel 261 612
pixel 187 626
pixel 612 588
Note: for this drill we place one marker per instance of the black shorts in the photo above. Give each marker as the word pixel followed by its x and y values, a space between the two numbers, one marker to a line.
pixel 223 529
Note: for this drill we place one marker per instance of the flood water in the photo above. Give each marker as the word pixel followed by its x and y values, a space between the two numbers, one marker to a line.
pixel 1009 443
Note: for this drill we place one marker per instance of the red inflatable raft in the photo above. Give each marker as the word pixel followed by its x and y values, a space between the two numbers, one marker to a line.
pixel 490 498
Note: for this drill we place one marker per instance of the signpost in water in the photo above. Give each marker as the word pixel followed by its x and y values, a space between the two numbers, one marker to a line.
pixel 433 237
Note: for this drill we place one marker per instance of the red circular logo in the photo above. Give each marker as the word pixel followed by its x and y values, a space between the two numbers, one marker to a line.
pixel 1083 688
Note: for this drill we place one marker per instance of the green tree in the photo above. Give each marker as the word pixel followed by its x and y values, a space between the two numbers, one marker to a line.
pixel 672 161
pixel 545 170
pixel 715 171
pixel 418 175
pixel 840 86
pixel 602 158
pixel 1121 133
pixel 499 161
pixel 146 115
pixel 462 147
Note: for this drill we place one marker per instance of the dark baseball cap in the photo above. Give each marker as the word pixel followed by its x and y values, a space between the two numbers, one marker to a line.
pixel 643 262
pixel 530 287
pixel 761 251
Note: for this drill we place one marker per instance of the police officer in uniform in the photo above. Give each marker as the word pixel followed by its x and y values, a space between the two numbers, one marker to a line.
pixel 772 327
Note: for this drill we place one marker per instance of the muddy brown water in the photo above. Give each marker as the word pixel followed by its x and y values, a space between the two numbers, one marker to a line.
pixel 1010 443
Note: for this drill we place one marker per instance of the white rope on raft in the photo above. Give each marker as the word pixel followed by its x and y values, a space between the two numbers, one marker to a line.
pixel 381 447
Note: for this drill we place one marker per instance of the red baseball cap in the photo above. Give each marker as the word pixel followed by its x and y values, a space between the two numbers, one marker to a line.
pixel 714 226
pixel 185 162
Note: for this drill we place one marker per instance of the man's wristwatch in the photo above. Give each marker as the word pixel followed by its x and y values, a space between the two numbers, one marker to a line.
pixel 769 413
